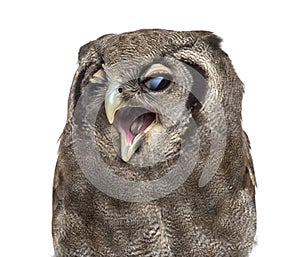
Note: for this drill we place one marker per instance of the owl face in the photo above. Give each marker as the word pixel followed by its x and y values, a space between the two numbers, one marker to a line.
pixel 148 106
pixel 150 109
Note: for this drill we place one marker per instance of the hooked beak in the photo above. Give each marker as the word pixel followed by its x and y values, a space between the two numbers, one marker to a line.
pixel 113 101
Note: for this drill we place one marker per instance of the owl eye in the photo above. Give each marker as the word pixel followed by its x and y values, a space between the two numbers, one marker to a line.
pixel 157 83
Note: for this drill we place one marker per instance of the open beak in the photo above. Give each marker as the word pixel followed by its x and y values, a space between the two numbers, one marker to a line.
pixel 133 123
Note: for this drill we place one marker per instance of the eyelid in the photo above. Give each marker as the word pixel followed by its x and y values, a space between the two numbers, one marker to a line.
pixel 165 76
pixel 155 81
pixel 157 70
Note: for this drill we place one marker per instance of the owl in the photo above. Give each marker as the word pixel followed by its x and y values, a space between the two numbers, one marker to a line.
pixel 153 159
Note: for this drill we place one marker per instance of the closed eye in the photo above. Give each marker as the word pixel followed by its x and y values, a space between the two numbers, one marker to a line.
pixel 157 83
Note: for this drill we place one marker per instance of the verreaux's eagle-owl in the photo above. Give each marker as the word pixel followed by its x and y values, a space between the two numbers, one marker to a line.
pixel 153 160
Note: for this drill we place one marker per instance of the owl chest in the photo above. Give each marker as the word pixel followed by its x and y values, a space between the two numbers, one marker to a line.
pixel 137 232
pixel 152 231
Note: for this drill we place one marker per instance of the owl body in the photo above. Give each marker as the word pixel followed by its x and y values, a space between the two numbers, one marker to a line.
pixel 153 160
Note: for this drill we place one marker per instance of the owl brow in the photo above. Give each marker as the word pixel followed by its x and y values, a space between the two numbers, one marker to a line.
pixel 160 61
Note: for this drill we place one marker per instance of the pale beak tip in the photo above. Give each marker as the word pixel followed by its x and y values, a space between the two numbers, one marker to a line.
pixel 125 158
pixel 110 119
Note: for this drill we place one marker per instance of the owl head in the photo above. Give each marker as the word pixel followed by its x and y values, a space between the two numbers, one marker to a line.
pixel 147 99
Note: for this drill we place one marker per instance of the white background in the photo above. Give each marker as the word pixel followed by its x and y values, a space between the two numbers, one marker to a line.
pixel 38 54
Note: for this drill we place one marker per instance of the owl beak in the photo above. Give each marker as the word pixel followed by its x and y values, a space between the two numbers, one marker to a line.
pixel 133 123
pixel 113 101
pixel 129 148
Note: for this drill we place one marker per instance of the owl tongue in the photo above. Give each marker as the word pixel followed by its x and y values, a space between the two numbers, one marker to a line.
pixel 133 121
pixel 137 125
pixel 141 123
